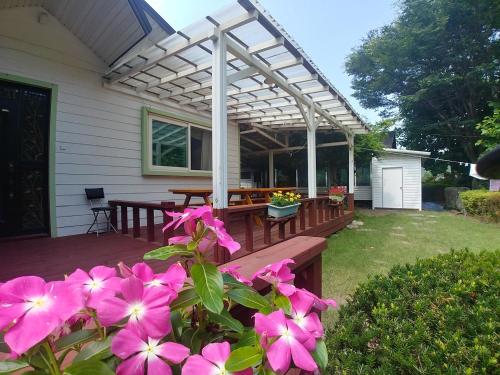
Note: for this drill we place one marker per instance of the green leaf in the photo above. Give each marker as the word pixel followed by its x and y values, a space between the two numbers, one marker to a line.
pixel 243 358
pixel 177 323
pixel 186 298
pixel 7 367
pixel 233 283
pixel 283 302
pixel 75 338
pixel 247 338
pixel 97 350
pixel 250 298
pixel 208 285
pixel 165 252
pixel 320 354
pixel 92 366
pixel 226 320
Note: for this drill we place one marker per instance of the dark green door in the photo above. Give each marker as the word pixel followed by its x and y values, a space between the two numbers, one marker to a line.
pixel 24 159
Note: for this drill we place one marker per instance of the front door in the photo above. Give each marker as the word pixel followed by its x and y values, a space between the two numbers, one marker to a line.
pixel 392 187
pixel 24 159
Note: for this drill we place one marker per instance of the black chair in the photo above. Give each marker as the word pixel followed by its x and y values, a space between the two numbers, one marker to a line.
pixel 95 197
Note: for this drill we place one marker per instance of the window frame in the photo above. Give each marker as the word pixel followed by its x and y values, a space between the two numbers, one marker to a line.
pixel 148 169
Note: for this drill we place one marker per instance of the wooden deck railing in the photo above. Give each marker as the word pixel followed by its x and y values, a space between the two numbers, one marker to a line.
pixel 136 218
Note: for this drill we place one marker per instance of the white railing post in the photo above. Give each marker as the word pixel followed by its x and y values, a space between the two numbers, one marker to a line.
pixel 311 154
pixel 350 142
pixel 219 122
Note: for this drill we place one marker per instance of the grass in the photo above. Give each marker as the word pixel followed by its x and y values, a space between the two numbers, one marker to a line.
pixel 388 238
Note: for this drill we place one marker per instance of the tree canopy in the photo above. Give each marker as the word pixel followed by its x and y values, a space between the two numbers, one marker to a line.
pixel 437 67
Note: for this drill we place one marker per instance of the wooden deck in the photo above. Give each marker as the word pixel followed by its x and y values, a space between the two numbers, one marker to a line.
pixel 51 258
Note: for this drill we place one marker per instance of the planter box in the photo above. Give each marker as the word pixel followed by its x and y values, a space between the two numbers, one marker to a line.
pixel 275 211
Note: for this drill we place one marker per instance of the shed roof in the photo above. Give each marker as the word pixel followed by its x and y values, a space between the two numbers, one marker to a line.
pixel 270 78
pixel 406 152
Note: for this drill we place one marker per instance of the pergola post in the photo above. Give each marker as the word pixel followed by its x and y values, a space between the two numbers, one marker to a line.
pixel 271 169
pixel 219 122
pixel 311 154
pixel 350 142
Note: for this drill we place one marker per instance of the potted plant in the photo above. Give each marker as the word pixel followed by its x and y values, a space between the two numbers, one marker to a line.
pixel 283 204
pixel 337 193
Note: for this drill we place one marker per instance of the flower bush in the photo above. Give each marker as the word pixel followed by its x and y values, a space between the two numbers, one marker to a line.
pixel 132 320
pixel 337 193
pixel 281 199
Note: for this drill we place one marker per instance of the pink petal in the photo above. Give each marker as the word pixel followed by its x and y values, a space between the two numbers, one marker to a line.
pixel 286 289
pixel 126 343
pixel 179 240
pixel 132 289
pixel 156 366
pixel 173 352
pixel 155 322
pixel 9 312
pixel 67 301
pixel 301 302
pixel 270 325
pixel 132 366
pixel 158 297
pixel 312 324
pixel 233 271
pixel 217 353
pixel 301 356
pixel 32 328
pixel 25 287
pixel 197 365
pixel 125 270
pixel 174 277
pixel 143 272
pixel 279 355
pixel 102 272
pixel 112 310
pixel 78 277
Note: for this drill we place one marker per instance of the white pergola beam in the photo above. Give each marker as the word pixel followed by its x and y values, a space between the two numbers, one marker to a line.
pixel 350 141
pixel 242 74
pixel 179 44
pixel 297 148
pixel 255 143
pixel 264 134
pixel 311 153
pixel 267 45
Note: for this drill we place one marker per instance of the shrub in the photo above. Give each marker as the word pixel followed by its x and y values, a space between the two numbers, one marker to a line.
pixel 481 203
pixel 440 315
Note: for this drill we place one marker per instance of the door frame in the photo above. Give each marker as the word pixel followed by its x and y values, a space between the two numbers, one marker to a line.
pixel 402 186
pixel 52 140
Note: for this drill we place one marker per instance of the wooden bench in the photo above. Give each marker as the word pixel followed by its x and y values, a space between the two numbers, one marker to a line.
pixel 270 222
pixel 305 251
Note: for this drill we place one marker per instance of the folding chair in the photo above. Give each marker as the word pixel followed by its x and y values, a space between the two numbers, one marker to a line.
pixel 95 197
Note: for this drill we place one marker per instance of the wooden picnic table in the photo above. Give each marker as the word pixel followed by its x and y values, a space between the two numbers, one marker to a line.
pixel 245 193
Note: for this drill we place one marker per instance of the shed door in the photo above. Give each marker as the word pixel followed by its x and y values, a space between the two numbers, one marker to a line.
pixel 392 187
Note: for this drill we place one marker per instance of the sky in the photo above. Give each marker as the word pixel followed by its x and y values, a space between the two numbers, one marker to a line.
pixel 327 30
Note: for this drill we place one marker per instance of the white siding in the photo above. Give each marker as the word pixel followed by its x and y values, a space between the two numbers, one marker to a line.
pixel 362 193
pixel 98 131
pixel 412 185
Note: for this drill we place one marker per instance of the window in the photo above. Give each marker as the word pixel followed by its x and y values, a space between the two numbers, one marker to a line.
pixel 175 146
pixel 363 176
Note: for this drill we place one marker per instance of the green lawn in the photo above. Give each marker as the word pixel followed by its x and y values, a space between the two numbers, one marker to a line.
pixel 389 238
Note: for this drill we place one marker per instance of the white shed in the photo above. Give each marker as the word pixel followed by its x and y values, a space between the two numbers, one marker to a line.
pixel 396 179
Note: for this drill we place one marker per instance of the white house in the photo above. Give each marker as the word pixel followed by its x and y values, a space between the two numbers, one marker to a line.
pixel 395 180
pixel 105 93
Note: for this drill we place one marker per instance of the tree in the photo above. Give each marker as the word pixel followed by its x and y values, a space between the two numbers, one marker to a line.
pixel 437 67
pixel 371 144
pixel 490 129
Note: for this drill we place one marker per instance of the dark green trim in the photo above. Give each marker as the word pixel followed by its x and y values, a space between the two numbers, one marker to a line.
pixel 52 140
pixel 145 149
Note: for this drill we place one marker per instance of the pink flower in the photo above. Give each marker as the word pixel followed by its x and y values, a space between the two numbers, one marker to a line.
pixel 221 236
pixel 136 348
pixel 319 303
pixel 233 271
pixel 303 317
pixel 144 308
pixel 211 362
pixel 172 279
pixel 291 342
pixel 35 309
pixel 279 275
pixel 189 215
pixel 101 282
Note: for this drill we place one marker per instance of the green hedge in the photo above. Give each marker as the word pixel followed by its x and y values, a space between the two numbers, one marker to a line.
pixel 481 203
pixel 440 315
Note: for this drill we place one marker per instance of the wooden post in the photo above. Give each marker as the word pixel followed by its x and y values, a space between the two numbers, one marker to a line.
pixel 271 168
pixel 136 222
pixel 293 224
pixel 312 213
pixel 350 202
pixel 267 232
pixel 150 224
pixel 167 206
pixel 320 211
pixel 281 230
pixel 327 210
pixel 249 232
pixel 302 216
pixel 124 218
pixel 221 255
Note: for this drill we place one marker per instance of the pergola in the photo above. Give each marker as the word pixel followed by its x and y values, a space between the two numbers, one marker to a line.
pixel 239 64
